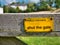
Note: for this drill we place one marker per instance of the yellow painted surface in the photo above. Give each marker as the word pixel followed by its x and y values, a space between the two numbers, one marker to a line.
pixel 38 24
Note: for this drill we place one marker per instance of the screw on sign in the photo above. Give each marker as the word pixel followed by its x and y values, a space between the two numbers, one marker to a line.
pixel 38 24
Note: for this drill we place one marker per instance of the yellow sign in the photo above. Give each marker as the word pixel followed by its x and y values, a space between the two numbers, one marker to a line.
pixel 38 24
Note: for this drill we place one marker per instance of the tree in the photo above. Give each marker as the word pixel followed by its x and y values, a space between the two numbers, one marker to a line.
pixel 31 7
pixel 43 6
pixel 29 10
pixel 12 3
pixel 17 10
pixel 11 10
pixel 5 8
pixel 49 2
pixel 15 3
pixel 57 3
pixel 0 4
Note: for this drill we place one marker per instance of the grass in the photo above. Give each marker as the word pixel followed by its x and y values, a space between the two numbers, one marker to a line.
pixel 41 40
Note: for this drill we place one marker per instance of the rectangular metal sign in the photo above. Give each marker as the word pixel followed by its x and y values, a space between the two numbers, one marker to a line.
pixel 38 24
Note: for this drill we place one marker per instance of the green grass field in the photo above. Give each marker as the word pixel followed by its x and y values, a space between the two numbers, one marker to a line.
pixel 41 40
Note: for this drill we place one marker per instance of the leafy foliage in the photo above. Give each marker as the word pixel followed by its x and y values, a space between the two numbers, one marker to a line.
pixel 5 8
pixel 43 6
pixel 32 7
pixel 57 3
